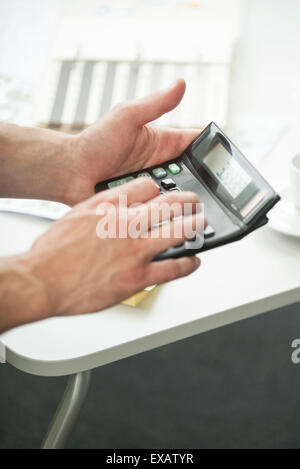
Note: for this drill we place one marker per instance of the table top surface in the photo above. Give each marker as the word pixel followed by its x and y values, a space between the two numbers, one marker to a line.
pixel 237 281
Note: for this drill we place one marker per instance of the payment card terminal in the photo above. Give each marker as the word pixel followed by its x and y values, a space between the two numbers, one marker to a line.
pixel 236 197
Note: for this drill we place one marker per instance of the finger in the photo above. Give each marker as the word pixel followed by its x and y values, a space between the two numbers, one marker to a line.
pixel 170 269
pixel 139 190
pixel 171 143
pixel 174 233
pixel 155 105
pixel 159 209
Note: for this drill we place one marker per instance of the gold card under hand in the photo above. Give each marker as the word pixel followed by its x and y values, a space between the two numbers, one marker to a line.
pixel 136 299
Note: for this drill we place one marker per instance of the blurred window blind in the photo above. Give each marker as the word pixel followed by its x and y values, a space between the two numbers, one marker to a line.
pixel 99 62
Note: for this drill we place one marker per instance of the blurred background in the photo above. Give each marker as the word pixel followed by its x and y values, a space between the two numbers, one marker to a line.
pixel 63 64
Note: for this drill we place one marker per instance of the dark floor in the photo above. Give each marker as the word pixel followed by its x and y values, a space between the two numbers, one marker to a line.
pixel 234 387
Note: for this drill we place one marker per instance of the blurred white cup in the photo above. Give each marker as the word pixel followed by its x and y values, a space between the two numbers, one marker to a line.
pixel 295 179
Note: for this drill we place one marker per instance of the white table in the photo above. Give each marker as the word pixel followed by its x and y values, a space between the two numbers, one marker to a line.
pixel 250 277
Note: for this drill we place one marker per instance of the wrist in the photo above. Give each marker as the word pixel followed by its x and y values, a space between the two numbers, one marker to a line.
pixel 24 297
pixel 54 158
pixel 35 163
pixel 79 184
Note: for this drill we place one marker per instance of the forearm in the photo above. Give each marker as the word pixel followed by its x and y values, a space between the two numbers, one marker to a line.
pixel 23 296
pixel 34 163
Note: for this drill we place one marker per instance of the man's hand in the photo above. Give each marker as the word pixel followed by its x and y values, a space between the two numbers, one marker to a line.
pixel 44 164
pixel 70 270
pixel 123 142
pixel 83 273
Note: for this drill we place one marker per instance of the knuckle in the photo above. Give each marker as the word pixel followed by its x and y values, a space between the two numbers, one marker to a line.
pixel 180 199
pixel 150 184
pixel 118 107
pixel 193 197
pixel 146 182
pixel 121 109
pixel 141 248
pixel 128 280
pixel 172 206
pixel 174 198
pixel 175 270
pixel 147 248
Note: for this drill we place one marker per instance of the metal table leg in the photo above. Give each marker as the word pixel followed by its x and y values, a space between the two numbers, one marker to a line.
pixel 67 411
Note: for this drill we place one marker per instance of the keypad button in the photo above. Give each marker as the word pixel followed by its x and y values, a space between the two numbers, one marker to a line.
pixel 159 173
pixel 174 168
pixel 144 174
pixel 195 242
pixel 119 182
pixel 209 232
pixel 168 183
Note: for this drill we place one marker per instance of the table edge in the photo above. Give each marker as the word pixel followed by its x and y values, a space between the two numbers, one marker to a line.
pixel 152 341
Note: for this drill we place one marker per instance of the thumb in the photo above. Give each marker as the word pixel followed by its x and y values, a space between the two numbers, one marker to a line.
pixel 151 107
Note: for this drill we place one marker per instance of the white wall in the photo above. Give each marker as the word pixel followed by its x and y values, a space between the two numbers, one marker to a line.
pixel 266 79
pixel 26 30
